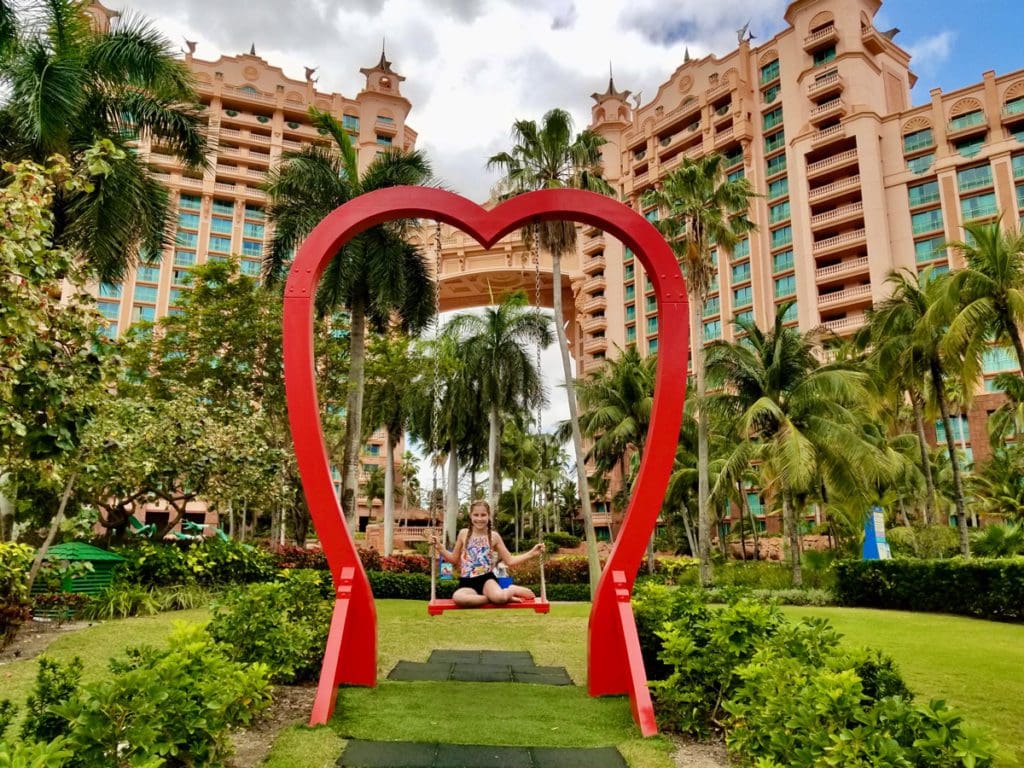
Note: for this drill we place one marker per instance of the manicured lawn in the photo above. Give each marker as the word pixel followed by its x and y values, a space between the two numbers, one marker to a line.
pixel 977 666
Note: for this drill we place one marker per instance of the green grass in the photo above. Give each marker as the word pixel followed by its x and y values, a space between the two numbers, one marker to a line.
pixel 974 665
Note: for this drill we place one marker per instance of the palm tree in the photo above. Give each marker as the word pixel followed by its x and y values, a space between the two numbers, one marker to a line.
pixel 988 295
pixel 393 365
pixel 798 418
pixel 700 208
pixel 70 89
pixel 549 156
pixel 378 277
pixel 908 321
pixel 495 343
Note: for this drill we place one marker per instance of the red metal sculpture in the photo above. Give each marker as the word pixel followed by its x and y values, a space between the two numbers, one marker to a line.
pixel 614 665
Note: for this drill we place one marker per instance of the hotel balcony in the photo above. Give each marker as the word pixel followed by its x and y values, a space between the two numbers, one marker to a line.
pixel 596 283
pixel 844 325
pixel 599 344
pixel 823 36
pixel 237 134
pixel 163 178
pixel 839 243
pixel 843 269
pixel 233 171
pixel 724 136
pixel 836 188
pixel 834 108
pixel 859 294
pixel 595 304
pixel 188 181
pixel 838 215
pixel 246 95
pixel 594 244
pixel 595 264
pixel 831 164
pixel 158 158
pixel 825 85
pixel 1012 113
pixel 718 90
pixel 832 133
pixel 594 323
pixel 968 125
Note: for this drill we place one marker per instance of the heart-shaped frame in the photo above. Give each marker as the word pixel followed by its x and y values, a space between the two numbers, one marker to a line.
pixel 613 661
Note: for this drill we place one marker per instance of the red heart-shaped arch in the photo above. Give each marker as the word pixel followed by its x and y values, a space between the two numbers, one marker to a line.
pixel 613 654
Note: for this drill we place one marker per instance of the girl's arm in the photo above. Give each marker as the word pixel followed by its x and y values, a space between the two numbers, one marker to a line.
pixel 453 556
pixel 507 557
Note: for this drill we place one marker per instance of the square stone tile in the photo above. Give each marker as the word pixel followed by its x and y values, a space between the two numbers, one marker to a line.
pixel 454 657
pixel 506 657
pixel 418 670
pixel 549 757
pixel 542 676
pixel 482 673
pixel 387 754
pixel 473 756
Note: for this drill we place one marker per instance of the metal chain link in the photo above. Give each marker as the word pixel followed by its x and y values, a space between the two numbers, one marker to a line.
pixel 436 384
pixel 536 295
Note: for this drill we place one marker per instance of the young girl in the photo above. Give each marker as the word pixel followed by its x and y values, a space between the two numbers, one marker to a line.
pixel 477 550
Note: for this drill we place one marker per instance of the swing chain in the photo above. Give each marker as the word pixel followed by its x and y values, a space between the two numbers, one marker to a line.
pixel 436 384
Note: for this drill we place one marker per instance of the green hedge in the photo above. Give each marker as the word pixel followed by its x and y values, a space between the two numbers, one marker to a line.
pixel 985 588
pixel 416 586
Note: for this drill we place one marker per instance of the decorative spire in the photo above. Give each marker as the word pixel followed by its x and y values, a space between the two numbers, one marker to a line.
pixel 686 55
pixel 252 49
pixel 611 93
pixel 383 65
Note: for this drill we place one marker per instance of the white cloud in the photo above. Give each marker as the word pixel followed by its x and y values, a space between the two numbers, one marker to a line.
pixel 927 54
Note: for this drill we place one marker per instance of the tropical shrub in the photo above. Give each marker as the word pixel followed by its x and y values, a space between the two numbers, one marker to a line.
pixel 288 556
pixel 8 710
pixel 35 755
pixel 555 540
pixel 170 708
pixel 1002 540
pixel 281 625
pixel 985 588
pixel 15 560
pixel 927 542
pixel 181 597
pixel 369 557
pixel 405 564
pixel 122 600
pixel 55 684
pixel 210 562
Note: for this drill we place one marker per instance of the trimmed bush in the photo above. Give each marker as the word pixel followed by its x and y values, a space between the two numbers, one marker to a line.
pixel 927 542
pixel 988 589
pixel 555 540
pixel 405 564
pixel 288 556
pixel 210 562
pixel 15 560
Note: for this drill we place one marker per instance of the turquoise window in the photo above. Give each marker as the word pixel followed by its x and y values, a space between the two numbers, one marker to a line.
pixel 775 165
pixel 997 359
pixel 145 293
pixel 188 220
pixel 254 231
pixel 742 249
pixel 974 178
pixel 926 221
pixel 967 120
pixel 979 206
pixel 741 272
pixel 254 212
pixel 970 147
pixel 785 286
pixel 1014 106
pixel 350 122
pixel 184 259
pixel 958 427
pixel 224 206
pixel 779 212
pixel 774 142
pixel 252 248
pixel 736 175
pixel 824 56
pixel 187 239
pixel 771 94
pixel 1018 166
pixel 109 309
pixel 651 304
pixel 930 249
pixel 652 345
pixel 918 140
pixel 651 215
pixel 743 317
pixel 770 72
pixel 782 261
pixel 628 272
pixel 110 290
pixel 712 306
pixel 923 193
pixel 222 244
pixel 110 331
pixel 771 119
pixel 731 158
pixel 384 141
pixel 189 202
pixel 631 311
pixel 218 224
pixel 148 274
pixel 712 330
pixel 1020 195
pixel 630 291
pixel 741 297
pixel 174 296
pixel 790 314
pixel 922 163
pixel 630 333
pixel 782 236
pixel 652 325
pixel 181 277
pixel 778 188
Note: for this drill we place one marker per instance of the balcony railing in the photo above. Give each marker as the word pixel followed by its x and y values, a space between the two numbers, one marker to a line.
pixel 835 161
pixel 825 84
pixel 819 193
pixel 594 304
pixel 595 264
pixel 821 36
pixel 859 293
pixel 828 134
pixel 845 324
pixel 835 106
pixel 188 181
pixel 594 284
pixel 831 243
pixel 590 346
pixel 850 267
pixel 249 94
pixel 838 214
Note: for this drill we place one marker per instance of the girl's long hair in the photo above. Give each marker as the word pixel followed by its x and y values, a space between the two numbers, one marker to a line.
pixel 490 549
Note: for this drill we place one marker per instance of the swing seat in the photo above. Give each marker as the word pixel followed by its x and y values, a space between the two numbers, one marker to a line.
pixel 437 606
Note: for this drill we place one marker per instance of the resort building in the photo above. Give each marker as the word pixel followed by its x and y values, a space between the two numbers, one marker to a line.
pixel 253 114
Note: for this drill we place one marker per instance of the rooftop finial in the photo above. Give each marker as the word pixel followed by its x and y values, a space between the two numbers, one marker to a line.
pixel 252 49
pixel 686 55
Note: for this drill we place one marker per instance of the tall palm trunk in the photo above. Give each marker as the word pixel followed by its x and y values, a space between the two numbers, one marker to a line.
pixel 451 512
pixel 574 419
pixel 958 486
pixel 689 530
pixel 789 517
pixel 703 491
pixel 493 435
pixel 1018 347
pixel 389 495
pixel 354 414
pixel 930 510
pixel 743 524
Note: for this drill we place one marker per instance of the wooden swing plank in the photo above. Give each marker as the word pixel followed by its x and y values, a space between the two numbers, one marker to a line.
pixel 437 607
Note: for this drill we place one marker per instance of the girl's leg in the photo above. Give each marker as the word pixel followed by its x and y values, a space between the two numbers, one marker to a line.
pixel 468 598
pixel 495 594
pixel 521 593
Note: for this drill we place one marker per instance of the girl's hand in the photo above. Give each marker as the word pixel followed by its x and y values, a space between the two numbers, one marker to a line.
pixel 434 541
pixel 538 548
